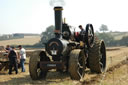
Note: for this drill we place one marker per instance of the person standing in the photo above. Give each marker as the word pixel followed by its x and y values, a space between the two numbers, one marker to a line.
pixel 8 48
pixel 12 55
pixel 82 33
pixel 82 29
pixel 22 55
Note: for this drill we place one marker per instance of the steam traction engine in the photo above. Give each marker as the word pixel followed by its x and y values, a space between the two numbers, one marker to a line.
pixel 69 52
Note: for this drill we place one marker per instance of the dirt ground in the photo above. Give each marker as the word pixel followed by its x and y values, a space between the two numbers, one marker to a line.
pixel 116 73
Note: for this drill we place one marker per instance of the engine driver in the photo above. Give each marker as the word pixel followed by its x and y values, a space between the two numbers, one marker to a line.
pixel 82 33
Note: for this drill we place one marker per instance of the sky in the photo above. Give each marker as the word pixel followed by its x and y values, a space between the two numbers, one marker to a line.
pixel 34 16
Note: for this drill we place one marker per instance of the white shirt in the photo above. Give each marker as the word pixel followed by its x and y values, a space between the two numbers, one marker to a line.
pixel 22 53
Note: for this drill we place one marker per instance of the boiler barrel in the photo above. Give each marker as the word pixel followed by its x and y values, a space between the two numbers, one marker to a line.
pixel 56 47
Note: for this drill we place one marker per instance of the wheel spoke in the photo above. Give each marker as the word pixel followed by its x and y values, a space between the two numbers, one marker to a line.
pixel 80 70
pixel 38 71
pixel 79 66
pixel 101 64
pixel 101 61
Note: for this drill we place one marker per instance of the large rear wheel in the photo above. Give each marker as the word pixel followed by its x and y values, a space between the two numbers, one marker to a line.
pixel 97 57
pixel 77 64
pixel 34 67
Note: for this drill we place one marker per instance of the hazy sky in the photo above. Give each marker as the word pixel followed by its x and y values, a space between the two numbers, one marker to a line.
pixel 33 16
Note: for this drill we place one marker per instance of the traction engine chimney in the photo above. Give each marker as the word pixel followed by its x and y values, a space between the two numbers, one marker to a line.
pixel 58 21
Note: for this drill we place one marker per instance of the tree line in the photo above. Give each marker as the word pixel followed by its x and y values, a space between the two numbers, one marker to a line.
pixel 103 34
pixel 109 39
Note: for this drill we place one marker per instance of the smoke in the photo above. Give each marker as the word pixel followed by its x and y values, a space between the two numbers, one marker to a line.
pixel 57 3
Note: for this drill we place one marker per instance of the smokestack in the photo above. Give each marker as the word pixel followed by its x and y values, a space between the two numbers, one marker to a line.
pixel 58 21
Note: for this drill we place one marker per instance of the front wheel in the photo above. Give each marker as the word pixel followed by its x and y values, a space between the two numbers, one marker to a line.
pixel 77 64
pixel 34 68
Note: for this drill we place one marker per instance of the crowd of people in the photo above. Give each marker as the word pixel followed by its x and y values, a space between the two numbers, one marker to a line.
pixel 16 58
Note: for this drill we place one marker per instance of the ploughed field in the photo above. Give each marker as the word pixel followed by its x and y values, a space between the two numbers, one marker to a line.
pixel 116 73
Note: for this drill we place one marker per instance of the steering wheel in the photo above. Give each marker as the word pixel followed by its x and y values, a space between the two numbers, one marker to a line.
pixel 89 37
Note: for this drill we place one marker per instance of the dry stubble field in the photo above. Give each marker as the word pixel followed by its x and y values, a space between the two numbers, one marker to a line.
pixel 116 73
pixel 27 40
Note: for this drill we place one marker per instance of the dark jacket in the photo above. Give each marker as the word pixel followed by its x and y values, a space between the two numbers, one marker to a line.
pixel 12 54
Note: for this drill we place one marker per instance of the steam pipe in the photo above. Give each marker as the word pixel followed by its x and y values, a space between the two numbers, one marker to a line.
pixel 58 21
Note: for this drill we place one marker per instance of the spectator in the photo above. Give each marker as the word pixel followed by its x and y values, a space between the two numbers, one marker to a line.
pixel 22 56
pixel 12 55
pixel 8 48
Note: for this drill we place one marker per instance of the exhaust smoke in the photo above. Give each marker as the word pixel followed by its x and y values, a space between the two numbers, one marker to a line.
pixel 57 3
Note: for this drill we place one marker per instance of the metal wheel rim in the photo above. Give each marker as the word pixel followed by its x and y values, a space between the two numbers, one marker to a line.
pixel 102 57
pixel 38 70
pixel 80 65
